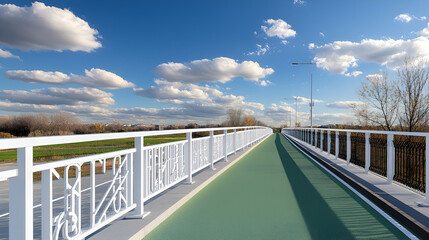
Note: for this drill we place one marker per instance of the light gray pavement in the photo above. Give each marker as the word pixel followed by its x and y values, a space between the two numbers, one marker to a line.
pixel 397 194
pixel 5 166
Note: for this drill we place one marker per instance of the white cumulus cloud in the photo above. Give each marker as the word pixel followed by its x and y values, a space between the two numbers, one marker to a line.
pixel 7 54
pixel 339 56
pixel 100 78
pixel 343 104
pixel 298 2
pixel 404 17
pixel 41 27
pixel 177 90
pixel 354 74
pixel 374 76
pixel 264 83
pixel 92 78
pixel 170 92
pixel 278 28
pixel 58 96
pixel 424 32
pixel 261 50
pixel 221 69
pixel 304 100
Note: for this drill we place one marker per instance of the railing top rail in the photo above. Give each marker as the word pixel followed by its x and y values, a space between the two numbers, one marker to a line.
pixel 421 134
pixel 165 144
pixel 9 173
pixel 10 143
pixel 79 160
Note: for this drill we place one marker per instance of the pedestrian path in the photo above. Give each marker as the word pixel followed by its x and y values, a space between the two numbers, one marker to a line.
pixel 276 192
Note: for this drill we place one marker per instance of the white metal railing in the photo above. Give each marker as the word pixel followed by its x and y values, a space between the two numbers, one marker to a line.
pixel 311 136
pixel 136 175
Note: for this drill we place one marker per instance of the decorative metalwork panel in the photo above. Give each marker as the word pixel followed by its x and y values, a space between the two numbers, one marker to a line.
pixel 410 162
pixel 115 200
pixel 200 153
pixel 230 143
pixel 378 155
pixel 218 148
pixel 357 155
pixel 165 166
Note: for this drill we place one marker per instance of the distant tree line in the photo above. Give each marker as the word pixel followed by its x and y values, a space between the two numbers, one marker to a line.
pixel 42 124
pixel 236 118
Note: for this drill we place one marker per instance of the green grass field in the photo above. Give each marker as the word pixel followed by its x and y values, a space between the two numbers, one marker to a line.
pixel 64 151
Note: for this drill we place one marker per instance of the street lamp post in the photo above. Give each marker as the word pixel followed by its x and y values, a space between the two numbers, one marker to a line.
pixel 296 108
pixel 311 92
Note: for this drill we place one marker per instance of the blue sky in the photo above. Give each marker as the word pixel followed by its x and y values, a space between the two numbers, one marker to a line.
pixel 190 61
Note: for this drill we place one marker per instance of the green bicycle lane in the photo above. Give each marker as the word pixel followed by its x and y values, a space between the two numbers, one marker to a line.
pixel 275 192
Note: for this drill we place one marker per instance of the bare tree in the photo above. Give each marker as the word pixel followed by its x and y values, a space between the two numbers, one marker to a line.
pixel 234 116
pixel 362 113
pixel 381 101
pixel 412 90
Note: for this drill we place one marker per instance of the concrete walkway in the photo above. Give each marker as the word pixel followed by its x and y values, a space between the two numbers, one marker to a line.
pixel 276 192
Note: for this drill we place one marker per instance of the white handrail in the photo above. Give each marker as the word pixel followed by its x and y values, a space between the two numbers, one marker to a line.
pixel 11 143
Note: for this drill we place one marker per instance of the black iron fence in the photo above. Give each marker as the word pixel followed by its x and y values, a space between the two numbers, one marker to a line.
pixel 357 154
pixel 318 140
pixel 314 139
pixel 378 154
pixel 332 143
pixel 410 161
pixel 325 141
pixel 342 151
pixel 409 153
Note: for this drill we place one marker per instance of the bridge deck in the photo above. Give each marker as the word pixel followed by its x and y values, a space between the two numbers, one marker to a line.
pixel 276 192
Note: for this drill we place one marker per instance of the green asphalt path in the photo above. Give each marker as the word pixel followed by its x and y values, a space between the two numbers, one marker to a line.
pixel 275 192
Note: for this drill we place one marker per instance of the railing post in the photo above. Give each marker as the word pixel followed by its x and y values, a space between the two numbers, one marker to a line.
pixel 337 144
pixel 21 197
pixel 321 140
pixel 349 148
pixel 47 222
pixel 311 136
pixel 329 142
pixel 367 152
pixel 189 157
pixel 390 158
pixel 139 166
pixel 211 143
pixel 130 182
pixel 225 151
pixel 92 192
pixel 426 202
pixel 235 140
